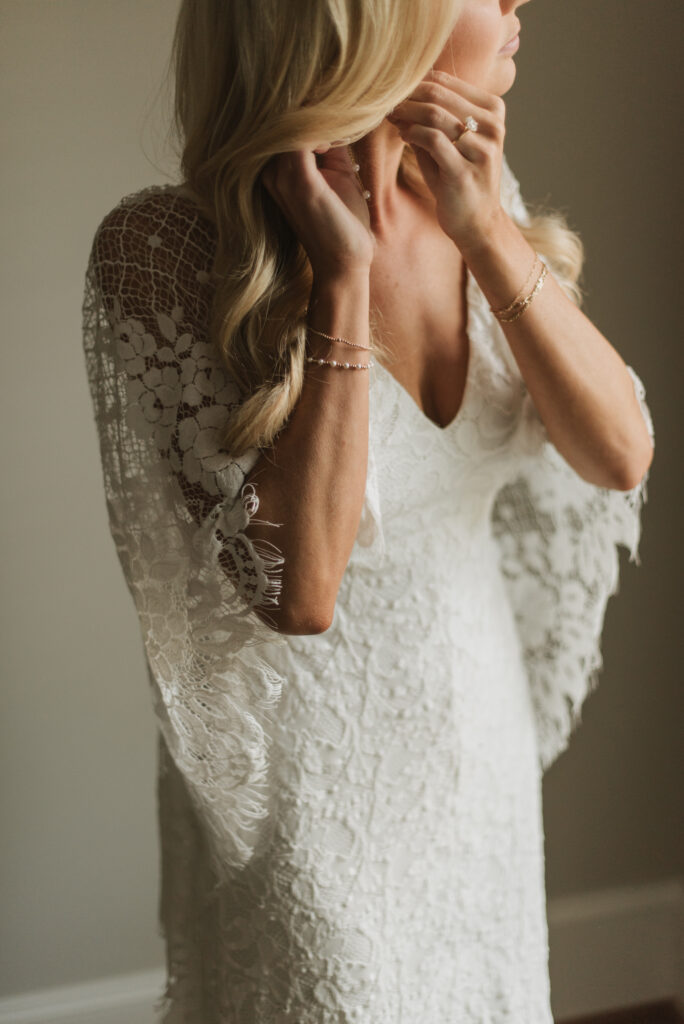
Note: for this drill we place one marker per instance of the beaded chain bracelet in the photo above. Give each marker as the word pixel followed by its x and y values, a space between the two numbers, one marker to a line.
pixel 343 366
pixel 336 362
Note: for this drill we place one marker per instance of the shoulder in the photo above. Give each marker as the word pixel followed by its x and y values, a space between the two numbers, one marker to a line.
pixel 155 247
pixel 152 203
pixel 158 217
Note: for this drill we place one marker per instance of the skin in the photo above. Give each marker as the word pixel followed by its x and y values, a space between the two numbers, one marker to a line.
pixel 406 256
pixel 578 382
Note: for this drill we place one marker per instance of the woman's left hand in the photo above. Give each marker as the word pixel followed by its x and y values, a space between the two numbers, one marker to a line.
pixel 464 177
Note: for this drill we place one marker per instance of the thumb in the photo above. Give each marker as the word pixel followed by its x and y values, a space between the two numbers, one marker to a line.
pixel 336 158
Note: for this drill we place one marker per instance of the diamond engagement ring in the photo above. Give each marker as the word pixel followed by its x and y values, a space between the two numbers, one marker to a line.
pixel 469 125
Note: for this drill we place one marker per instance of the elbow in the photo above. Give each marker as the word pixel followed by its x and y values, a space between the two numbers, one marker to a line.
pixel 310 624
pixel 636 455
pixel 633 467
pixel 307 604
pixel 298 622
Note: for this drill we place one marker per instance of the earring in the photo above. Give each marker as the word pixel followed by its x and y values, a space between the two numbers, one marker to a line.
pixel 356 168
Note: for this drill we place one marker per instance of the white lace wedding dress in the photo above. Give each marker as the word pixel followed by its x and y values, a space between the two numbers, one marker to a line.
pixel 350 822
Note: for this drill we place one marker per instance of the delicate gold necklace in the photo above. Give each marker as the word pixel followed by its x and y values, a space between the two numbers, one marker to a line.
pixel 356 168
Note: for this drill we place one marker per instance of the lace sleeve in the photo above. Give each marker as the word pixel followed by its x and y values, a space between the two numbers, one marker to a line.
pixel 178 508
pixel 558 538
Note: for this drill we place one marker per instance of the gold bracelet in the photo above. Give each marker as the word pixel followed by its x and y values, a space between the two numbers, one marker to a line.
pixel 516 301
pixel 526 302
pixel 330 338
pixel 343 366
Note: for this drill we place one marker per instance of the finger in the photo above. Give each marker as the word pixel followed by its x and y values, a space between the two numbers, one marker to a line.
pixel 268 174
pixel 292 172
pixel 491 111
pixel 481 98
pixel 305 165
pixel 449 116
pixel 447 156
pixel 470 145
pixel 473 145
pixel 437 94
pixel 337 158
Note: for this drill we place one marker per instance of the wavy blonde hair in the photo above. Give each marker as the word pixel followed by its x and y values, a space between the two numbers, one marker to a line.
pixel 254 78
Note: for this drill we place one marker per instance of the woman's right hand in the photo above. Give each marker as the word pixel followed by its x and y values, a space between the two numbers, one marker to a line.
pixel 323 203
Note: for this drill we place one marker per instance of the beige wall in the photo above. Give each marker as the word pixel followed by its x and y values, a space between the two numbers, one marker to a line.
pixel 593 127
pixel 79 856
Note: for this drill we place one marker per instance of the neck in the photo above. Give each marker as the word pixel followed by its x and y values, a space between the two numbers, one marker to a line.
pixel 378 155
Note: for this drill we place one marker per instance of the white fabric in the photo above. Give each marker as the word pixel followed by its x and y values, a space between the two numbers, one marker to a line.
pixel 350 822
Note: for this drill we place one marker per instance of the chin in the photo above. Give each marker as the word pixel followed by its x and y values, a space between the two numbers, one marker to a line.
pixel 506 77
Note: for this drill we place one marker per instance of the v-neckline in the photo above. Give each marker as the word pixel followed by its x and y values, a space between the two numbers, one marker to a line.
pixel 469 368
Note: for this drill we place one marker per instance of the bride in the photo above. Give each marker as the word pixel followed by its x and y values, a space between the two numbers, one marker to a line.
pixel 367 464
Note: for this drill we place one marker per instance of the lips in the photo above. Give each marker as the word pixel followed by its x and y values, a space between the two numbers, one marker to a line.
pixel 513 37
pixel 511 47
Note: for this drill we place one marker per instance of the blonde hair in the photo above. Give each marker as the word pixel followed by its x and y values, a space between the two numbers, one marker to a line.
pixel 254 78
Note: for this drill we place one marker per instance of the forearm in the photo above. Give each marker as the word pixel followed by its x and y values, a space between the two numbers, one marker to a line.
pixel 313 479
pixel 578 382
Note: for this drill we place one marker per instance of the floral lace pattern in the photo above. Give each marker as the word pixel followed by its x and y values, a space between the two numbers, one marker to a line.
pixel 178 508
pixel 350 822
pixel 557 536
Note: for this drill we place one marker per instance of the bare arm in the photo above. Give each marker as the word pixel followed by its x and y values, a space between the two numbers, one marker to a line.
pixel 578 382
pixel 313 480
